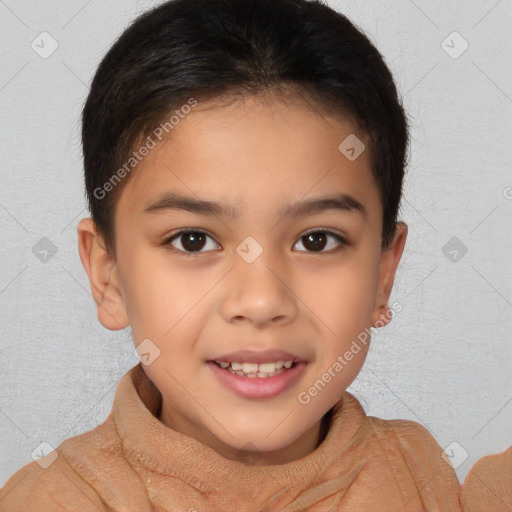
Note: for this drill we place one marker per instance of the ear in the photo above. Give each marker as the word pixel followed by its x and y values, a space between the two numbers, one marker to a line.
pixel 103 273
pixel 388 264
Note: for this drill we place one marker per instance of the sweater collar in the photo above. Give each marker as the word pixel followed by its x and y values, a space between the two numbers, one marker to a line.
pixel 152 446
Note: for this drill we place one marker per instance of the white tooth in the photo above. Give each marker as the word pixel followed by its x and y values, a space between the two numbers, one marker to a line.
pixel 250 367
pixel 267 367
pixel 262 370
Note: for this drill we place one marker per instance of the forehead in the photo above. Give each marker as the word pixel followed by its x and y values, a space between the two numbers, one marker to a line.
pixel 252 152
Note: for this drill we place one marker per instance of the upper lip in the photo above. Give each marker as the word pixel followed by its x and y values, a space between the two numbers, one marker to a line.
pixel 260 356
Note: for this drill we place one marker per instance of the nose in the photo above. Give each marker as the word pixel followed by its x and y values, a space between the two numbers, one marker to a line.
pixel 260 293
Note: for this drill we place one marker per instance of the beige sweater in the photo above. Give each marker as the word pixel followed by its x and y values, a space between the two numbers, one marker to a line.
pixel 134 463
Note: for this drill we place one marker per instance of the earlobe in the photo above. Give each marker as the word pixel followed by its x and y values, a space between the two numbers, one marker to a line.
pixel 387 269
pixel 102 271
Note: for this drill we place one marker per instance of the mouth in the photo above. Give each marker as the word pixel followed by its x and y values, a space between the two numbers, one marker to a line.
pixel 256 370
pixel 248 381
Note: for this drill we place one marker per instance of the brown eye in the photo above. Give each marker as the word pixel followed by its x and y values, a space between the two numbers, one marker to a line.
pixel 317 241
pixel 190 241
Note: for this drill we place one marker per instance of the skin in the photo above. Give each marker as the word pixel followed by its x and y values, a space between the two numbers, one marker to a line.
pixel 256 155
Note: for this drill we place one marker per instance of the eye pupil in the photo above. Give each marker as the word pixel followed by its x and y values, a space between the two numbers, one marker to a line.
pixel 193 241
pixel 315 241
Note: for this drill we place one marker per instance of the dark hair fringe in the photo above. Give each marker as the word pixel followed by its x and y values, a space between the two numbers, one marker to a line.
pixel 209 49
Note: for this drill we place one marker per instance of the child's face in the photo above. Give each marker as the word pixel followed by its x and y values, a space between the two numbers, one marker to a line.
pixel 256 158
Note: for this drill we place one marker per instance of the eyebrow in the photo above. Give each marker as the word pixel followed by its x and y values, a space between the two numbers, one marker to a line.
pixel 175 201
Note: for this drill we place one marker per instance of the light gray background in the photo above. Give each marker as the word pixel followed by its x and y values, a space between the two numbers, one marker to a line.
pixel 445 359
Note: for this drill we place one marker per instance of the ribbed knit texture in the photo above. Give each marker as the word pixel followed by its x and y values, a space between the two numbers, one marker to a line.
pixel 134 463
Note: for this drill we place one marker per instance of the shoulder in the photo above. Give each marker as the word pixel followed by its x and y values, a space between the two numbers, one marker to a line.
pixel 414 456
pixel 77 475
pixel 418 448
pixel 55 487
pixel 488 485
pixel 410 438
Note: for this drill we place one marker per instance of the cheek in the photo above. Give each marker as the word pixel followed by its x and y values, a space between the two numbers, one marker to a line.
pixel 161 298
pixel 343 297
pixel 149 294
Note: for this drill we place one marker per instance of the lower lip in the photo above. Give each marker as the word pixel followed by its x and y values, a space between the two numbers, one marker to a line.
pixel 258 387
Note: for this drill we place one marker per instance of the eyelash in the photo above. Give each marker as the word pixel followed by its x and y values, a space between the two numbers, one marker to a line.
pixel 167 242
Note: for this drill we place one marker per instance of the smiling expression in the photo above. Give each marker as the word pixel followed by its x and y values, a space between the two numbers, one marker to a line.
pixel 281 251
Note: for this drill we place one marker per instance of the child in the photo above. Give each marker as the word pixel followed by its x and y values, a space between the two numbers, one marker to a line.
pixel 243 166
